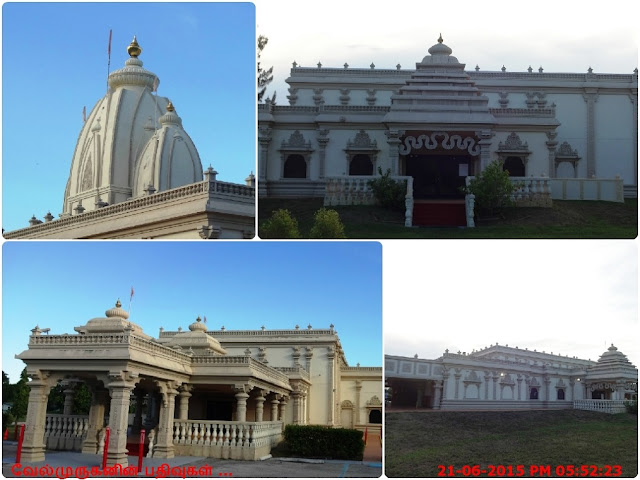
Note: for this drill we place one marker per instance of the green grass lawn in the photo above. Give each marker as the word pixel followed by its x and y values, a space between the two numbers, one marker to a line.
pixel 417 442
pixel 566 219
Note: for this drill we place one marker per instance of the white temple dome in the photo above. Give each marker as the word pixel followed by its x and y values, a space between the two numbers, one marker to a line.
pixel 169 159
pixel 439 54
pixel 128 142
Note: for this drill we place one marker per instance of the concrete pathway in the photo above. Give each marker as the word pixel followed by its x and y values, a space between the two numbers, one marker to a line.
pixel 203 467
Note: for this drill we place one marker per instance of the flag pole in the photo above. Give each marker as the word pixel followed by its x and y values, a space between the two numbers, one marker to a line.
pixel 109 58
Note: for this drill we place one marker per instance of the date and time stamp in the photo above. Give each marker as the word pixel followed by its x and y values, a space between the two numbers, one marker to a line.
pixel 530 471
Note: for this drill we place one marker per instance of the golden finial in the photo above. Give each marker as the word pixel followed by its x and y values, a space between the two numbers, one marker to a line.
pixel 170 107
pixel 118 304
pixel 134 49
pixel 440 39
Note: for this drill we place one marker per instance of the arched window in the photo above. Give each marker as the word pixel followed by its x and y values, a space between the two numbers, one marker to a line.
pixel 560 394
pixel 534 394
pixel 515 166
pixel 375 416
pixel 361 164
pixel 295 166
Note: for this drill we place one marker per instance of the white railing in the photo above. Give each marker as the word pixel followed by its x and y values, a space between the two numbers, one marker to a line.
pixel 607 189
pixel 530 192
pixel 249 435
pixel 355 190
pixel 67 426
pixel 65 432
pixel 604 406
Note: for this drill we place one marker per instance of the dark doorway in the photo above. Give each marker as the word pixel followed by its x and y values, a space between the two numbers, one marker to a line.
pixel 219 410
pixel 375 416
pixel 534 394
pixel 438 176
pixel 295 166
pixel 515 166
pixel 361 165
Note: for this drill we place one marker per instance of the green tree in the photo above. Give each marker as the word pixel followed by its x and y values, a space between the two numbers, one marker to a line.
pixel 265 77
pixel 21 397
pixel 492 189
pixel 388 192
pixel 6 388
pixel 327 224
pixel 280 225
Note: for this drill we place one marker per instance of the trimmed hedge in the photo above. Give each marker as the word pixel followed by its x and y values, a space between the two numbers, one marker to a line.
pixel 324 442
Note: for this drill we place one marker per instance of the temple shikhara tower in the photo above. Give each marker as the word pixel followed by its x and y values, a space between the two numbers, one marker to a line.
pixel 136 173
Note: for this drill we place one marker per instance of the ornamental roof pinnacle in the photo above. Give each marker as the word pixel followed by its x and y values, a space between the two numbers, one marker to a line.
pixel 170 107
pixel 440 40
pixel 134 48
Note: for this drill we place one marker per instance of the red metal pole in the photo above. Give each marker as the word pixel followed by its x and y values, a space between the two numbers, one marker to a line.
pixel 141 450
pixel 19 453
pixel 106 448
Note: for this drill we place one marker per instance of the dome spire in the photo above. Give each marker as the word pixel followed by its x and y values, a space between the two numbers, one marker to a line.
pixel 134 49
pixel 170 107
pixel 440 40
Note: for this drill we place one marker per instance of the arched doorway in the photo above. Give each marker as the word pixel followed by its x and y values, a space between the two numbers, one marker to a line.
pixel 361 164
pixel 375 416
pixel 295 166
pixel 515 166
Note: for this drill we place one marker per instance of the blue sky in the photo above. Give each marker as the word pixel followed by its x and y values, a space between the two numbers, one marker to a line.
pixel 54 62
pixel 241 285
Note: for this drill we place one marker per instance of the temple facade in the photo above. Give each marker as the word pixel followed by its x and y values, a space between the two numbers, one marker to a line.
pixel 136 173
pixel 562 135
pixel 507 378
pixel 223 393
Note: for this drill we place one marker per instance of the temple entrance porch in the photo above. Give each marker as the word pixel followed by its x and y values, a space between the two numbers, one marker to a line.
pixel 409 393
pixel 438 177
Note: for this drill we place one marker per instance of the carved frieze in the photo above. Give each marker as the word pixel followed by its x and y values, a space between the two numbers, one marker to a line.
pixel 448 142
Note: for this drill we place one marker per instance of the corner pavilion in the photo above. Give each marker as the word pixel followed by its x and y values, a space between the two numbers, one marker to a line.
pixel 223 394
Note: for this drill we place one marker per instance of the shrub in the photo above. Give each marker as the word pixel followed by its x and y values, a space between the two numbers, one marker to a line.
pixel 280 225
pixel 631 406
pixel 324 442
pixel 492 189
pixel 327 224
pixel 388 192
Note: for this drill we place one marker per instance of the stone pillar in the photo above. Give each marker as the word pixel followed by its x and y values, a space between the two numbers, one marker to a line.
pixel 241 404
pixel 393 140
pixel 296 407
pixel 446 373
pixel 438 396
pixel 485 149
pixel 547 389
pixel 308 357
pixel 164 439
pixel 357 406
pixel 551 146
pixel 274 408
pixel 570 395
pixel 260 405
pixel 633 97
pixel 331 354
pixel 590 96
pixel 264 139
pixel 118 423
pixel 495 385
pixel 183 408
pixel 487 377
pixel 137 419
pixel 519 391
pixel 283 410
pixel 68 400
pixel 323 139
pixel 457 376
pixel 99 400
pixel 33 445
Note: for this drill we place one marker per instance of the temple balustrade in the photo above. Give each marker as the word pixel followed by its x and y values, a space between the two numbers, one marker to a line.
pixel 65 432
pixel 355 190
pixel 225 439
pixel 605 189
pixel 604 406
